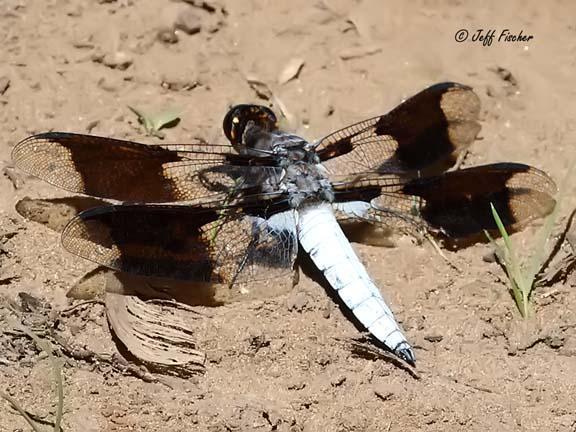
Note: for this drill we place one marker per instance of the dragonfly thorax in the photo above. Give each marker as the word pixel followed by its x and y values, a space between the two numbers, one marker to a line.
pixel 305 182
pixel 305 179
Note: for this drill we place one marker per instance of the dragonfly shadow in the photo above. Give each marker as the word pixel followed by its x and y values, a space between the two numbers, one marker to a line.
pixel 363 347
pixel 55 213
pixel 102 281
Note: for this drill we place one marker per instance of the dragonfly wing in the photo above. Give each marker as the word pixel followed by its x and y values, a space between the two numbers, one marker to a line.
pixel 134 172
pixel 188 243
pixel 425 132
pixel 456 204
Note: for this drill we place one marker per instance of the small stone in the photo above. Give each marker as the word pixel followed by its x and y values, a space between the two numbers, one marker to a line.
pixel 188 22
pixel 338 381
pixel 297 385
pixel 119 60
pixel 489 257
pixel 179 84
pixel 291 70
pixel 490 91
pixel 167 35
pixel 434 338
pixel 554 342
pixel 107 85
pixel 327 309
pixel 383 394
pixel 91 125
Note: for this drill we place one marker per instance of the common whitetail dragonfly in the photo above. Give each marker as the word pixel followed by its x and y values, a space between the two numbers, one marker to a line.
pixel 239 212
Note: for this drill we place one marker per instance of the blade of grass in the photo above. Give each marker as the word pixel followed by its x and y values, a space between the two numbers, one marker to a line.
pixel 143 119
pixel 518 282
pixel 523 280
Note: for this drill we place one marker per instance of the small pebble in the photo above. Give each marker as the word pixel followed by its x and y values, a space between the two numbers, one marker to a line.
pixel 327 309
pixel 434 338
pixel 338 381
pixel 167 35
pixel 119 60
pixel 188 22
pixel 383 394
pixel 489 257
pixel 297 385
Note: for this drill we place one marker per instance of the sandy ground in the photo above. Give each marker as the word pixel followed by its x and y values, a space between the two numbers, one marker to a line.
pixel 288 363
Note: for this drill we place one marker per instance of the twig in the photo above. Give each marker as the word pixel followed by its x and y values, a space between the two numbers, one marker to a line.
pixel 72 308
pixel 20 410
pixel 439 252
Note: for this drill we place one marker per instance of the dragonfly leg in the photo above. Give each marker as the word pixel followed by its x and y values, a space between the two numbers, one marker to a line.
pixel 295 276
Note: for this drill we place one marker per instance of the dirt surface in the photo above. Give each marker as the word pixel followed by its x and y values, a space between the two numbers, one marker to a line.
pixel 290 363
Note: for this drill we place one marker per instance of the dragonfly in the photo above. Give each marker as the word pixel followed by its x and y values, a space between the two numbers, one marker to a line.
pixel 240 212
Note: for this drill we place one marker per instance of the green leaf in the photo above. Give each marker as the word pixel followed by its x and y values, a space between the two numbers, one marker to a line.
pixel 153 123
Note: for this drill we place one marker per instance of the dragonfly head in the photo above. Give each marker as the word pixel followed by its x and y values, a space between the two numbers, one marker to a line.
pixel 245 124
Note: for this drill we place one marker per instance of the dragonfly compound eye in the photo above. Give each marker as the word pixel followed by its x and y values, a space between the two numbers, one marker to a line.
pixel 239 116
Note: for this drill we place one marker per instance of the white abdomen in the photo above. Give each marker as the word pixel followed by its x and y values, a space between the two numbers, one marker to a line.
pixel 322 238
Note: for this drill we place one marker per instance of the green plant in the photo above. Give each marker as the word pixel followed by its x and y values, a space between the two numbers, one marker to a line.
pixel 522 274
pixel 153 123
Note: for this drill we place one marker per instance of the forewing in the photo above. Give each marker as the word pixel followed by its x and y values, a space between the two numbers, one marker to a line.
pixel 187 243
pixel 426 131
pixel 456 204
pixel 134 172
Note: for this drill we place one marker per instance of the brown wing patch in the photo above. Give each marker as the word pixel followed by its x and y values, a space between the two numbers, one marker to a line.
pixel 456 203
pixel 429 128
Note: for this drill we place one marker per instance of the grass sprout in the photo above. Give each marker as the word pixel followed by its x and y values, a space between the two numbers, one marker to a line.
pixel 523 272
pixel 153 123
pixel 520 284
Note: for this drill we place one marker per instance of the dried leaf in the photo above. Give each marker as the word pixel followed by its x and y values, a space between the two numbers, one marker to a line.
pixel 291 70
pixel 260 88
pixel 165 119
pixel 290 118
pixel 159 333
